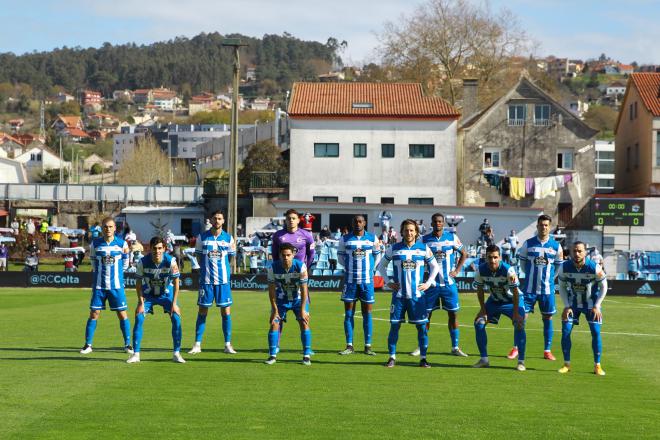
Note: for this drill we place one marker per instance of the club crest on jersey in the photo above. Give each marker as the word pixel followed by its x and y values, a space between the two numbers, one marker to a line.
pixel 359 254
pixel 541 261
pixel 408 265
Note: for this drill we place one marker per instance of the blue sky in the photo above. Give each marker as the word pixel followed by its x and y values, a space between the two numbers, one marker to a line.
pixel 625 30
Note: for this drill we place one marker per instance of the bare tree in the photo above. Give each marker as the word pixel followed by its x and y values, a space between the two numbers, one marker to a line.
pixel 148 164
pixel 445 40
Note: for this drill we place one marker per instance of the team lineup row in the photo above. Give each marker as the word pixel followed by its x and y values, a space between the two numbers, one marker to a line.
pixel 423 271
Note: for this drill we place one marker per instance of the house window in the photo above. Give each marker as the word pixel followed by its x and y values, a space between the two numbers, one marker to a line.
pixel 492 159
pixel 33 157
pixel 635 109
pixel 39 157
pixel 326 150
pixel 425 151
pixel 359 150
pixel 565 159
pixel 628 159
pixel 420 200
pixel 359 199
pixel 387 150
pixel 541 114
pixel 630 112
pixel 605 167
pixel 657 148
pixel 387 200
pixel 636 155
pixel 326 199
pixel 516 114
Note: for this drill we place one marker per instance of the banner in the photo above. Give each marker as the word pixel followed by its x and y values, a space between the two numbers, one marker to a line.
pixel 187 281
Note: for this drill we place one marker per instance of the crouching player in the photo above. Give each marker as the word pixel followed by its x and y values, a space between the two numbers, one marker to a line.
pixel 582 286
pixel 157 285
pixel 287 290
pixel 408 292
pixel 505 299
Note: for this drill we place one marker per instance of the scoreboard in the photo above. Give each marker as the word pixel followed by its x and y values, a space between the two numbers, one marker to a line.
pixel 618 212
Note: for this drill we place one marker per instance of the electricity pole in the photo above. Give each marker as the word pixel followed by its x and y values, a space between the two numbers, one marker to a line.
pixel 232 197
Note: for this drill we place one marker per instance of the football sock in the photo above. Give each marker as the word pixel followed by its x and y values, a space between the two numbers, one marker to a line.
pixel 393 337
pixel 349 323
pixel 453 334
pixel 306 339
pixel 90 328
pixel 176 331
pixel 422 339
pixel 566 329
pixel 596 341
pixel 125 326
pixel 520 337
pixel 367 326
pixel 200 326
pixel 273 338
pixel 226 327
pixel 547 334
pixel 137 332
pixel 482 339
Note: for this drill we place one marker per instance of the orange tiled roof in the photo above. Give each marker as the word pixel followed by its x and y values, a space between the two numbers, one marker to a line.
pixel 648 86
pixel 76 132
pixel 70 121
pixel 350 100
pixel 5 136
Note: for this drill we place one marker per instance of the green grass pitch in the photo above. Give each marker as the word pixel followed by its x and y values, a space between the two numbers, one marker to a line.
pixel 49 390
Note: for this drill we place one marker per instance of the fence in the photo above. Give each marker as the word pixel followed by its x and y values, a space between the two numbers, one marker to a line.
pixel 107 193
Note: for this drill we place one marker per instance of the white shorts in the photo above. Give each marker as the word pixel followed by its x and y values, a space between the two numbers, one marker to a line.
pixel 3 262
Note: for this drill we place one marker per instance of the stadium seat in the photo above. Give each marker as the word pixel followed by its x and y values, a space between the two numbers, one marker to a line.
pixel 652 276
pixel 327 272
pixel 317 272
pixel 321 264
pixel 621 276
pixel 338 272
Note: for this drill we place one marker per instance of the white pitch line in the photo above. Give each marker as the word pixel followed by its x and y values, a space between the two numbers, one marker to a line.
pixel 643 306
pixel 651 335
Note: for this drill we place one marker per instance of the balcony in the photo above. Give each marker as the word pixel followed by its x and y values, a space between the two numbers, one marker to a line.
pixel 268 182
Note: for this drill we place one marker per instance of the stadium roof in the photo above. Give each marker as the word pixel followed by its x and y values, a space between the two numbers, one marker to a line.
pixel 367 100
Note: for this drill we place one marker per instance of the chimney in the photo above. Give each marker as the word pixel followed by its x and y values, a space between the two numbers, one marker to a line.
pixel 470 97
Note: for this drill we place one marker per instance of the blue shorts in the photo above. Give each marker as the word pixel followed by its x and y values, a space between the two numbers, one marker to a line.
pixel 415 309
pixel 165 301
pixel 354 291
pixel 448 294
pixel 220 293
pixel 546 303
pixel 283 307
pixel 116 298
pixel 495 309
pixel 589 315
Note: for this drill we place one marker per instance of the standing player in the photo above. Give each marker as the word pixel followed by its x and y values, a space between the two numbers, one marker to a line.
pixel 301 239
pixel 580 294
pixel 287 290
pixel 213 248
pixel 157 284
pixel 408 292
pixel 445 244
pixel 359 251
pixel 109 257
pixel 542 256
pixel 505 299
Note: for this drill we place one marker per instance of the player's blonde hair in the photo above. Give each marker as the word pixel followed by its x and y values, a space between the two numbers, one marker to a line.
pixel 407 222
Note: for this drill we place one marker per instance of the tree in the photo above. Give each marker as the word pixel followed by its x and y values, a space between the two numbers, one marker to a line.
pixel 97 168
pixel 148 164
pixel 445 40
pixel 262 156
pixel 53 175
pixel 601 118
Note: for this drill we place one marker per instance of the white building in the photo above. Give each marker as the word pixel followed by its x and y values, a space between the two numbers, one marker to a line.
pixel 39 159
pixel 12 171
pixel 615 89
pixel 123 145
pixel 604 167
pixel 371 143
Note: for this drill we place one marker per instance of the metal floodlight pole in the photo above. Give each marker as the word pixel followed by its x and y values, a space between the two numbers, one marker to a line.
pixel 232 198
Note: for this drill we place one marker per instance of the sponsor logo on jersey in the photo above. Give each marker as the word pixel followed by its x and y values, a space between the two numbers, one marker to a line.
pixel 108 260
pixel 440 256
pixel 359 254
pixel 215 255
pixel 408 265
pixel 541 261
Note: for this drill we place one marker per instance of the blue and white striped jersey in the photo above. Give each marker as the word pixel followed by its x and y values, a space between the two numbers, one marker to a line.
pixel 109 261
pixel 358 257
pixel 541 261
pixel 213 254
pixel 408 264
pixel 500 283
pixel 580 286
pixel 444 249
pixel 287 282
pixel 157 279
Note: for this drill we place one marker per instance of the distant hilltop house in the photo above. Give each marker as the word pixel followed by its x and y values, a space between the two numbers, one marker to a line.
pixel 10 145
pixel 260 104
pixel 63 122
pixel 126 95
pixel 90 97
pixel 616 88
pixel 39 159
pixel 157 99
pixel 16 124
